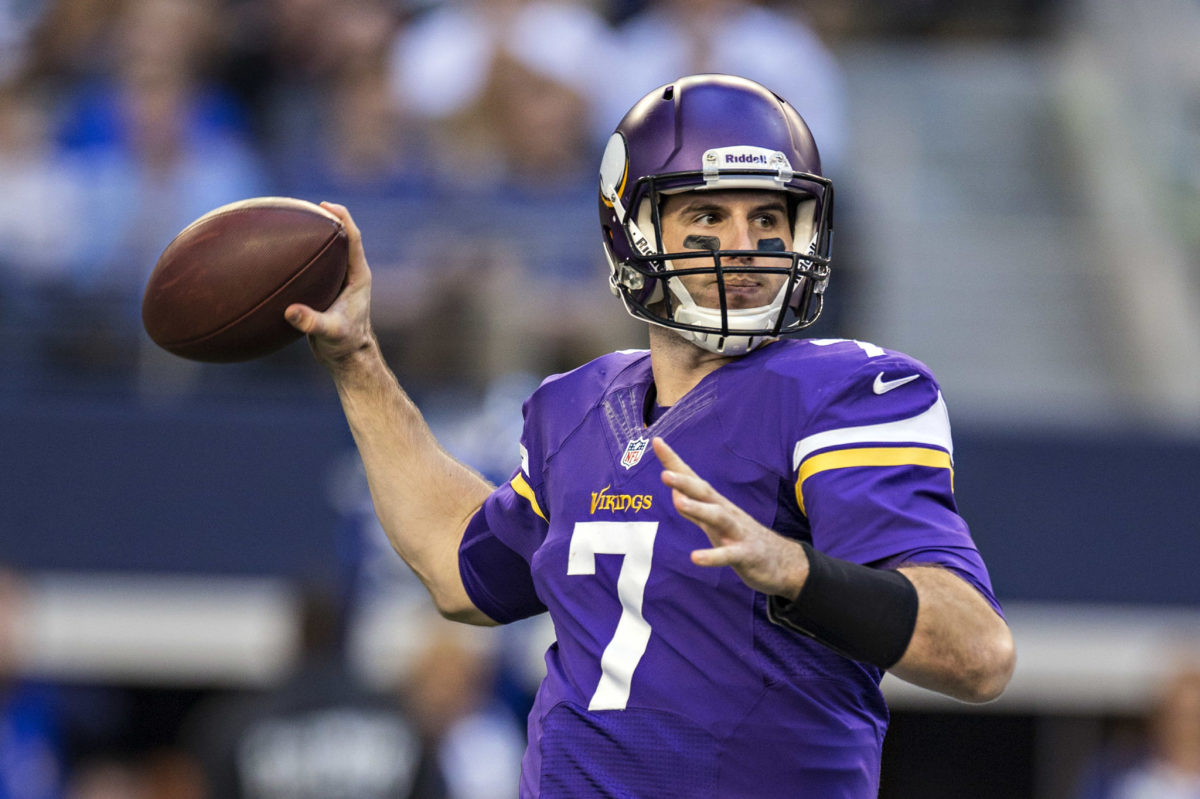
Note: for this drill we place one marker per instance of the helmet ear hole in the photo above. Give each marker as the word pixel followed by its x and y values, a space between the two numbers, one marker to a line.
pixel 645 220
pixel 804 223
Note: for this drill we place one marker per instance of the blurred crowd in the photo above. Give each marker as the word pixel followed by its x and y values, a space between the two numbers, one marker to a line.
pixel 1157 756
pixel 464 136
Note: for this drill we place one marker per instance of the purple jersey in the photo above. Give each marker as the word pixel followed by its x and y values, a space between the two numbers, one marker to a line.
pixel 666 678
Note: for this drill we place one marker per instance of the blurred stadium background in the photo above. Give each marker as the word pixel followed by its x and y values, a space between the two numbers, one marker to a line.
pixel 1019 207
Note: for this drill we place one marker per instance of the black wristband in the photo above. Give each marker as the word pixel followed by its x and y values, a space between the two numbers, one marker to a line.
pixel 862 613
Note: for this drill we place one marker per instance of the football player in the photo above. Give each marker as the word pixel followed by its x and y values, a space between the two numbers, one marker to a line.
pixel 735 532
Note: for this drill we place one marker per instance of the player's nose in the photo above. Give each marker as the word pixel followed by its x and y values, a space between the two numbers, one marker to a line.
pixel 741 239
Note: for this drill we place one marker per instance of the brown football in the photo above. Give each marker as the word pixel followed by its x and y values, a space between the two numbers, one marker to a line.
pixel 219 289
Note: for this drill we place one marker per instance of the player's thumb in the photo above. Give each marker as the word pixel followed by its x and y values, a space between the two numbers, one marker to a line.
pixel 301 317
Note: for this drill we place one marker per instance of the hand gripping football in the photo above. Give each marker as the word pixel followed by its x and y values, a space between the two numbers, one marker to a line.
pixel 219 289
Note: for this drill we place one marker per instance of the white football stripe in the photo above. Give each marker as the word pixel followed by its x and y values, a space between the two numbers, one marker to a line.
pixel 928 427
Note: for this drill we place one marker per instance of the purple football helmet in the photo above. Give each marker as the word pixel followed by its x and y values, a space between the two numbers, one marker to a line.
pixel 714 132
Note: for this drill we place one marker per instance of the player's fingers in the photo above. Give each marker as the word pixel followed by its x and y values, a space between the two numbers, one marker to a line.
pixel 677 474
pixel 343 214
pixel 716 556
pixel 669 458
pixel 714 519
pixel 358 257
pixel 691 485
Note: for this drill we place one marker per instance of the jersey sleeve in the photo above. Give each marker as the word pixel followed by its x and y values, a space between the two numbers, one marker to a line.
pixel 501 539
pixel 876 478
pixel 496 577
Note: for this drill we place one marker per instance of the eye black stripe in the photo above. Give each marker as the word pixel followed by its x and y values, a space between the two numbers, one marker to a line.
pixel 703 243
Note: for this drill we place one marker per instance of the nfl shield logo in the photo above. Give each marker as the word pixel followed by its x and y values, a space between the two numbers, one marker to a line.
pixel 633 452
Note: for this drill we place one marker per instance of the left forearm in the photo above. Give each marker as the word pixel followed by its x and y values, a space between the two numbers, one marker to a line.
pixel 957 645
pixel 960 645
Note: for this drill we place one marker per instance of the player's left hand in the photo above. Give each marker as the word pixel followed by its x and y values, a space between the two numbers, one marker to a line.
pixel 765 560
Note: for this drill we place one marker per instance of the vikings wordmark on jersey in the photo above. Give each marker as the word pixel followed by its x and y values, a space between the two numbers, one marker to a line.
pixel 660 665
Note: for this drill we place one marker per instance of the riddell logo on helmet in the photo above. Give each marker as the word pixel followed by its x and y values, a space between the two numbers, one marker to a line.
pixel 745 158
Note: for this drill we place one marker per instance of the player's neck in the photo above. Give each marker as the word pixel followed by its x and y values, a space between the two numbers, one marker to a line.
pixel 679 365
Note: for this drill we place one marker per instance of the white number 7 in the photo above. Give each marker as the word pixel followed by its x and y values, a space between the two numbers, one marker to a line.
pixel 634 540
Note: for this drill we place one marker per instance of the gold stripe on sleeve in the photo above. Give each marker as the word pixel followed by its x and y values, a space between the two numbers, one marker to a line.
pixel 871 456
pixel 522 488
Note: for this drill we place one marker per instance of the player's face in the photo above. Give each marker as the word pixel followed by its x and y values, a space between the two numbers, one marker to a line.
pixel 737 220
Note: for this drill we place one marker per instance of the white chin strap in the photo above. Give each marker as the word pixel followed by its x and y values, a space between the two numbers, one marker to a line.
pixel 760 318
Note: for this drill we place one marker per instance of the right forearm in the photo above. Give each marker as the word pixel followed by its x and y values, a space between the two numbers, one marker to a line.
pixel 423 496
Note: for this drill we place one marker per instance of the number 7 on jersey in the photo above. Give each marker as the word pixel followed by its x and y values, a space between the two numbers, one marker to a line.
pixel 634 540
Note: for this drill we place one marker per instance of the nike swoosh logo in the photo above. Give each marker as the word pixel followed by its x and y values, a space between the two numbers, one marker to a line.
pixel 882 386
